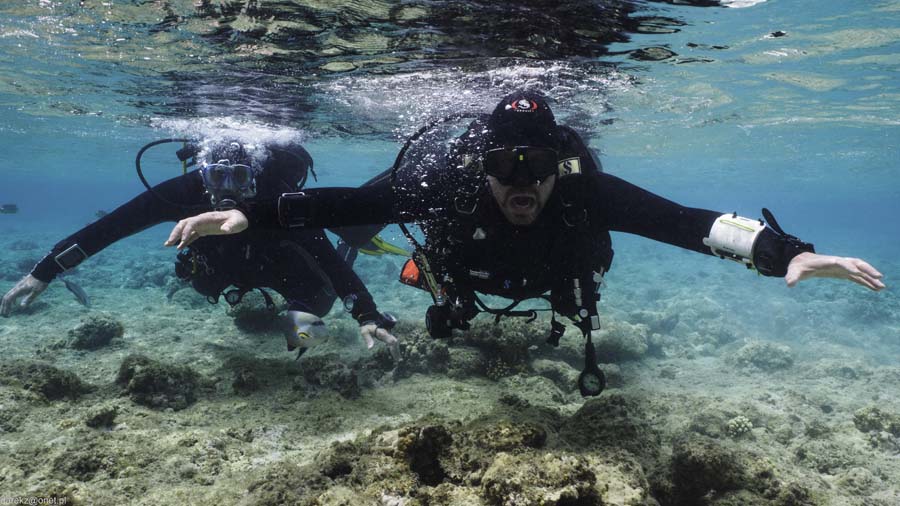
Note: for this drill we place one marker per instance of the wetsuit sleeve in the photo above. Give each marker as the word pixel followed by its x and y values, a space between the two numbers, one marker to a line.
pixel 139 213
pixel 623 207
pixel 343 279
pixel 360 236
pixel 342 207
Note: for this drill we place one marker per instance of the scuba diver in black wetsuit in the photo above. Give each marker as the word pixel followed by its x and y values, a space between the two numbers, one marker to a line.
pixel 519 207
pixel 301 264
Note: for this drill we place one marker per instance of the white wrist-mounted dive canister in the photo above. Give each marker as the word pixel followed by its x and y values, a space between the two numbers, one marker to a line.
pixel 734 237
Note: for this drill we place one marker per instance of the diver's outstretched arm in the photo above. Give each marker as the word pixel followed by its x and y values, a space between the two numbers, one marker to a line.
pixel 811 265
pixel 190 229
pixel 134 216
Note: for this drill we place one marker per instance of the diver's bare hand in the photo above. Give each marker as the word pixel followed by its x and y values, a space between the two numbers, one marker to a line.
pixel 28 287
pixel 190 229
pixel 812 265
pixel 370 332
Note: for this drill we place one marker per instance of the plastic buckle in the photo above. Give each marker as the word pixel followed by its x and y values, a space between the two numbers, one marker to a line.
pixel 70 257
pixel 291 211
pixel 468 205
pixel 575 219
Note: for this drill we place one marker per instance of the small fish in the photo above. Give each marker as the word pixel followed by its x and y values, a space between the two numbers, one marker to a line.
pixel 101 213
pixel 9 209
pixel 78 292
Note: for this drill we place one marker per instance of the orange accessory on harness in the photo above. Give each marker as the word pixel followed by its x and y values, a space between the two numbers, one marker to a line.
pixel 411 275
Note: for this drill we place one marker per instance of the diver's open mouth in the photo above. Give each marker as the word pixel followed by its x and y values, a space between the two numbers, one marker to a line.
pixel 522 202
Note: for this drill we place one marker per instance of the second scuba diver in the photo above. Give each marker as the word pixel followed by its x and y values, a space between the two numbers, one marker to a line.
pixel 300 264
pixel 518 206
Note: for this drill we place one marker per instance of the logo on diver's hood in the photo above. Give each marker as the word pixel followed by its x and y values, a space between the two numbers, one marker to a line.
pixel 522 105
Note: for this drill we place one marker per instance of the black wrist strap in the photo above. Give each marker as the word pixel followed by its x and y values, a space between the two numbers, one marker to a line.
pixel 381 320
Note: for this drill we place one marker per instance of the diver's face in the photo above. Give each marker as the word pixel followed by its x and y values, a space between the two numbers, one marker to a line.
pixel 522 205
pixel 227 183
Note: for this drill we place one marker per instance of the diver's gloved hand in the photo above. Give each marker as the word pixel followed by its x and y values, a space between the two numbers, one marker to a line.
pixel 379 327
pixel 812 265
pixel 304 330
pixel 28 287
pixel 190 229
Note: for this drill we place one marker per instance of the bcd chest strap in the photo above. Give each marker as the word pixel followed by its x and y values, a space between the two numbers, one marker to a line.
pixel 207 278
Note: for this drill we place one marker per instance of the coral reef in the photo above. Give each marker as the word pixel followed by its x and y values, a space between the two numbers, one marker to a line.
pixel 11 415
pixel 613 422
pixel 102 416
pixel 561 373
pixel 872 418
pixel 488 417
pixel 764 356
pixel 94 331
pixel 738 426
pixel 828 456
pixel 882 428
pixel 859 481
pixel 701 466
pixel 420 353
pixel 536 389
pixel 330 372
pixel 616 341
pixel 619 340
pixel 44 379
pixel 488 461
pixel 245 381
pixel 509 339
pixel 157 385
pixel 466 361
pixel 548 479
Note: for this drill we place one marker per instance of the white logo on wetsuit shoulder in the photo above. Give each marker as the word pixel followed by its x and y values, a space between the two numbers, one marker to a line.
pixel 569 166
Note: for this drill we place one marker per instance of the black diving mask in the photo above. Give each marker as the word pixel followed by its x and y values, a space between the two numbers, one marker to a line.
pixel 520 165
pixel 228 183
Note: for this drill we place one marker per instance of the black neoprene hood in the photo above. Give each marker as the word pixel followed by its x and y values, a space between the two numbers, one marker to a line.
pixel 523 118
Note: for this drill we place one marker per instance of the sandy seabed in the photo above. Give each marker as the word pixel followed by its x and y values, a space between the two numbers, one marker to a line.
pixel 724 389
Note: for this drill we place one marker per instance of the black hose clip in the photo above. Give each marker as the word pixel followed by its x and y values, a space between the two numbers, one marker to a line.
pixel 556 332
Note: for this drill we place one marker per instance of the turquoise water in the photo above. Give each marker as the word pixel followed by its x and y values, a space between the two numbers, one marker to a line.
pixel 736 119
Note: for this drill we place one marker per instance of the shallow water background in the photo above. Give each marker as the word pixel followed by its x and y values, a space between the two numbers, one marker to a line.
pixel 734 119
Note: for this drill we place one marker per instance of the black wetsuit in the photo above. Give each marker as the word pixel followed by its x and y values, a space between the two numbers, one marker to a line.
pixel 483 252
pixel 300 264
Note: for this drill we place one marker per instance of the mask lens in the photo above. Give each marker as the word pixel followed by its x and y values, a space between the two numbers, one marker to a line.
pixel 216 174
pixel 541 162
pixel 500 163
pixel 520 163
pixel 242 175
